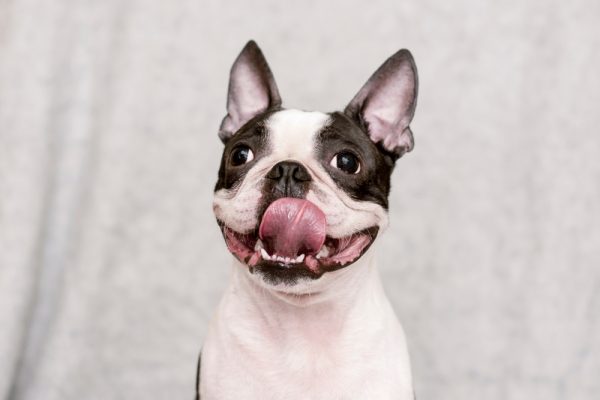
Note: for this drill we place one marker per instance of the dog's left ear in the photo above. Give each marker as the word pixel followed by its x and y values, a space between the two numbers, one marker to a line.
pixel 252 90
pixel 386 103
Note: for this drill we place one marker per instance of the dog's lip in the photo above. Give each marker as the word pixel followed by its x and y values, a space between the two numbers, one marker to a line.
pixel 244 247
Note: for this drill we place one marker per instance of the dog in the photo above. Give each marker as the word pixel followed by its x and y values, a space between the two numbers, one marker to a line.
pixel 301 196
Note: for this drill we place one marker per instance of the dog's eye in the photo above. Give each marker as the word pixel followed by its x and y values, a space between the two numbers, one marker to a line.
pixel 241 155
pixel 347 162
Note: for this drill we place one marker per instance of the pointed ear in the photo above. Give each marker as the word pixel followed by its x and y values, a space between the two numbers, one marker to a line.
pixel 386 103
pixel 252 90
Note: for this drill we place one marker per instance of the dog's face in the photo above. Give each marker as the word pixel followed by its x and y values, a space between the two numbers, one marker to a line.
pixel 301 194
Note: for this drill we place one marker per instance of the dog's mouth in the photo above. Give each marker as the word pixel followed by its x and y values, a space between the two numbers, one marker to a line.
pixel 291 241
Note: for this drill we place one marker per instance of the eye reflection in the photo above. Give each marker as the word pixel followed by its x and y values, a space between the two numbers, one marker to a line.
pixel 346 162
pixel 241 155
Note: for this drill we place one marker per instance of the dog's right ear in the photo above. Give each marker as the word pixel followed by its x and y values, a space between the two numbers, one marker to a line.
pixel 252 90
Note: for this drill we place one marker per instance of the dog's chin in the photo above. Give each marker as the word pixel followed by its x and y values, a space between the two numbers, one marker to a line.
pixel 278 271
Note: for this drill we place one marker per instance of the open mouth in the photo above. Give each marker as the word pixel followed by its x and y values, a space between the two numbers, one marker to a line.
pixel 291 239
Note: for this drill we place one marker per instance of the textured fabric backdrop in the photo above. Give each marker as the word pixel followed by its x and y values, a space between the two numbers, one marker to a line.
pixel 111 263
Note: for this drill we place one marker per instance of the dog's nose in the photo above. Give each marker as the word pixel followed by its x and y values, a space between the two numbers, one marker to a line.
pixel 290 178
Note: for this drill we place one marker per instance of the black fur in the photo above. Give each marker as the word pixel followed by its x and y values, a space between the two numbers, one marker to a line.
pixel 372 182
pixel 198 377
pixel 254 135
pixel 274 273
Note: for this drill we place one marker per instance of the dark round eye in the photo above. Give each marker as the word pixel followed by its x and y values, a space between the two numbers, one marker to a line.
pixel 241 155
pixel 347 162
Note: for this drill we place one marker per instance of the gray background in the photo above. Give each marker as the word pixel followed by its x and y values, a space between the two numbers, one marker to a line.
pixel 110 260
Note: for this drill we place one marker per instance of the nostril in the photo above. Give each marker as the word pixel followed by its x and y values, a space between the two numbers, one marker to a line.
pixel 288 179
pixel 289 171
pixel 301 174
pixel 276 172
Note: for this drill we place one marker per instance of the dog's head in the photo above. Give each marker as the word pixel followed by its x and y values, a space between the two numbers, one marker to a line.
pixel 300 193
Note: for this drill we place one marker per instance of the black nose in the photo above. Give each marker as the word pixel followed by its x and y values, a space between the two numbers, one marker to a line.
pixel 289 179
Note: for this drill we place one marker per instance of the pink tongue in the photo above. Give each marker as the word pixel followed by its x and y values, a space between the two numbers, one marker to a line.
pixel 291 227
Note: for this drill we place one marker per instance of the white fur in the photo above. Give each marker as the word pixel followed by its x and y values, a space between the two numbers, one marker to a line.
pixel 342 341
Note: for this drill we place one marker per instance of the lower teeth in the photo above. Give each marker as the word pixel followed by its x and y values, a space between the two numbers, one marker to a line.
pixel 324 252
pixel 281 259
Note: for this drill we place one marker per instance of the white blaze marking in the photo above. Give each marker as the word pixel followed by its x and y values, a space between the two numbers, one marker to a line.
pixel 293 133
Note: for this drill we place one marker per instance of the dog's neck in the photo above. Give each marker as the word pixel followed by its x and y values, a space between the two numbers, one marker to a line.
pixel 308 346
pixel 338 305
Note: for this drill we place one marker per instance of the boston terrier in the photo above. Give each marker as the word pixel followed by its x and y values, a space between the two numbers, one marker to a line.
pixel 300 198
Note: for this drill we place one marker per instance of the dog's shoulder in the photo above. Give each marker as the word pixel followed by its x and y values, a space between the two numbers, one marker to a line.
pixel 198 377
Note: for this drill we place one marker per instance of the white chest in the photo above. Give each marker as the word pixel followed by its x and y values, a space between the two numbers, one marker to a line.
pixel 327 353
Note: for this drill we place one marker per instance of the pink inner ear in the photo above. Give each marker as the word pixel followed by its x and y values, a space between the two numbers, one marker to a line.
pixel 248 96
pixel 391 135
pixel 252 90
pixel 387 109
pixel 386 103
